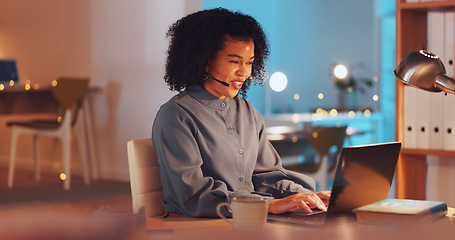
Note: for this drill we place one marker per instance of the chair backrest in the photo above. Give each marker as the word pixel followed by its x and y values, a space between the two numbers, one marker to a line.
pixel 146 188
pixel 69 93
pixel 323 138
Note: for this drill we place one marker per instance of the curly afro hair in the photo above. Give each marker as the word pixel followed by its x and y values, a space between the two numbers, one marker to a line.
pixel 197 37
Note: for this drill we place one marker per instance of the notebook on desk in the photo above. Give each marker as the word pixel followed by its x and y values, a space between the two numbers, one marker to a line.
pixel 364 175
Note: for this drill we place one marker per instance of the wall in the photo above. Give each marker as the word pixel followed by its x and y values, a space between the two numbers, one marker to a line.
pixel 48 37
pixel 120 44
pixel 128 54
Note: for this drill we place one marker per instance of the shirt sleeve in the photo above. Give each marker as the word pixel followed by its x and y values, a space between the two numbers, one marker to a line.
pixel 187 190
pixel 270 176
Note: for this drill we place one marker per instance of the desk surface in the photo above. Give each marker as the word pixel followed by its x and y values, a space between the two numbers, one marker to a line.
pixel 64 221
pixel 18 100
pixel 201 229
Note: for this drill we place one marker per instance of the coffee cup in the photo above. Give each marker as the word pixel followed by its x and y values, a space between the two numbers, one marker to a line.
pixel 247 212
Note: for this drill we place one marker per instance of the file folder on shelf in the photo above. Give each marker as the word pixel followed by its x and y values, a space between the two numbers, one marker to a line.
pixel 423 119
pixel 409 117
pixel 449 122
pixel 436 44
pixel 449 39
pixel 436 121
pixel 449 99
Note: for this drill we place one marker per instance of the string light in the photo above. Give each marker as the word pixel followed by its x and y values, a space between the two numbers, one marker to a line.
pixel 375 97
pixel 295 118
pixel 63 176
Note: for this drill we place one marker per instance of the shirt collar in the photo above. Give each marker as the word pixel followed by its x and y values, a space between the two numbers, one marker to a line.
pixel 203 96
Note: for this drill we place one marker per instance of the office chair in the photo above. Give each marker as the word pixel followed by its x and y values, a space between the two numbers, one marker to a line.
pixel 325 140
pixel 69 93
pixel 146 188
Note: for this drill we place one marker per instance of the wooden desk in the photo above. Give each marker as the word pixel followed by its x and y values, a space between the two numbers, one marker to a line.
pixel 201 229
pixel 17 100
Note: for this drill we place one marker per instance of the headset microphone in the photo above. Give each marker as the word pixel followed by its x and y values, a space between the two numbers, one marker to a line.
pixel 212 77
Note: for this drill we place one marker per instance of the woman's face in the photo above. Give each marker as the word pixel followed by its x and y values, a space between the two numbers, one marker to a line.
pixel 233 65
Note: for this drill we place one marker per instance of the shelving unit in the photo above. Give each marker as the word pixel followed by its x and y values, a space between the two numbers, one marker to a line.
pixel 411 20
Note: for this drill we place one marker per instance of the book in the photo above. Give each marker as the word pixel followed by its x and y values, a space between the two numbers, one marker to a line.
pixel 400 211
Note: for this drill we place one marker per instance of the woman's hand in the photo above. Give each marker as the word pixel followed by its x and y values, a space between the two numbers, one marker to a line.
pixel 325 197
pixel 305 201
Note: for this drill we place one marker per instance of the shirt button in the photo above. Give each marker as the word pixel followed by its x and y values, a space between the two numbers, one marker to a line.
pixel 231 128
pixel 241 179
pixel 241 151
pixel 223 104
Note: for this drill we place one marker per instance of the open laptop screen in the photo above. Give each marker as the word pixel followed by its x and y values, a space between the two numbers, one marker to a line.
pixel 8 70
pixel 364 175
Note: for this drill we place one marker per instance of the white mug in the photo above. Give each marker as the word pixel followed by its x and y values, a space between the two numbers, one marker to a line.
pixel 247 212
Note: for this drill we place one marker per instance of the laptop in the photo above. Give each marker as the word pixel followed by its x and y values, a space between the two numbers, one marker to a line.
pixel 8 71
pixel 364 175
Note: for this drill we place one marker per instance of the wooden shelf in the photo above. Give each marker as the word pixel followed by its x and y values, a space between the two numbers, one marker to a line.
pixel 428 152
pixel 430 5
pixel 411 35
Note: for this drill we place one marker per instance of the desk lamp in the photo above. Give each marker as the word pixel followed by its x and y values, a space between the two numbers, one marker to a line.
pixel 424 70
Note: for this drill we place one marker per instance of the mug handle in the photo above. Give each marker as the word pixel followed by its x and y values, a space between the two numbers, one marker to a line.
pixel 218 211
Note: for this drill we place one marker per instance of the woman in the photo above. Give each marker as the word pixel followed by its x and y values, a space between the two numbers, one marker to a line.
pixel 211 143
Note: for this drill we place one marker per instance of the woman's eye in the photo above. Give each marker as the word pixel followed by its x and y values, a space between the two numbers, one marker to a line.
pixel 234 62
pixel 249 63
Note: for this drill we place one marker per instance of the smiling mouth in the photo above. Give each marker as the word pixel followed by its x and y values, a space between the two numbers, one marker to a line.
pixel 237 84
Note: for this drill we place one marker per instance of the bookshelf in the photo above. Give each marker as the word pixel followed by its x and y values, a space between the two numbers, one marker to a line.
pixel 411 35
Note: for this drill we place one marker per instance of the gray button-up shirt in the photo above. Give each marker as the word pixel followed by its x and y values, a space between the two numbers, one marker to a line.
pixel 211 150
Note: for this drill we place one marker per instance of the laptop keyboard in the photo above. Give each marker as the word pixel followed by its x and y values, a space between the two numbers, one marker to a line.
pixel 314 218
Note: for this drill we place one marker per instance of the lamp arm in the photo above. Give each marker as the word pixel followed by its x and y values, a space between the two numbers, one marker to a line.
pixel 445 83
